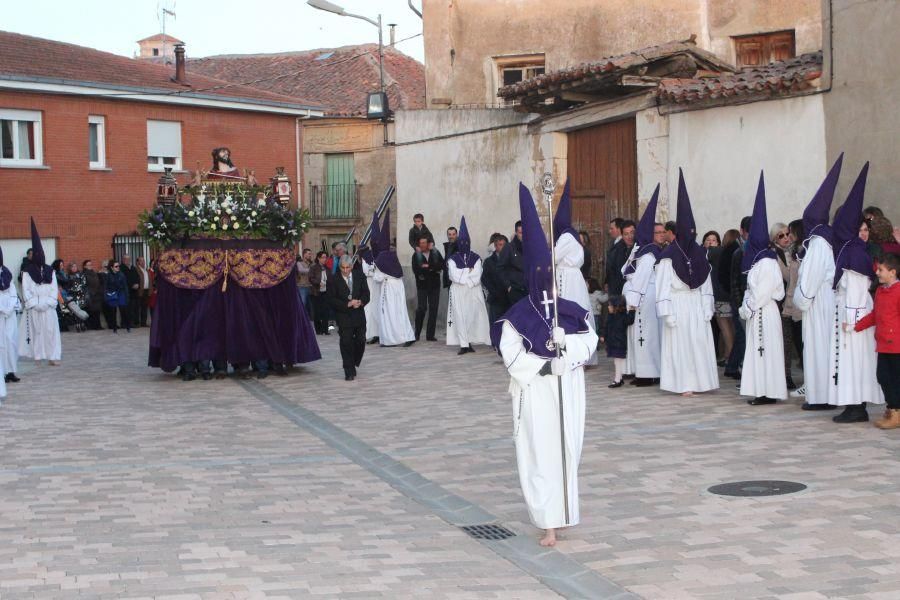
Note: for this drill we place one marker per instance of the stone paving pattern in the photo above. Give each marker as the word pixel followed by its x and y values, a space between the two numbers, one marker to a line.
pixel 118 481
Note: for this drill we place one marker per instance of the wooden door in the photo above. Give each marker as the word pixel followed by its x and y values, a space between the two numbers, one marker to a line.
pixel 602 169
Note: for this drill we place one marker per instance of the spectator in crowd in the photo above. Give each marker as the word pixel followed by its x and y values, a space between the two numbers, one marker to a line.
pixel 615 233
pixel 348 294
pixel 77 302
pixel 133 280
pixel 117 297
pixel 881 233
pixel 723 320
pixel 338 249
pixel 318 286
pixel 669 232
pixel 585 240
pixel 872 211
pixel 427 265
pixel 95 290
pixel 510 267
pixel 711 239
pixel 780 239
pixel 109 312
pixel 872 249
pixel 449 250
pixel 492 281
pixel 730 277
pixel 419 230
pixel 304 262
pixel 26 260
pixel 618 256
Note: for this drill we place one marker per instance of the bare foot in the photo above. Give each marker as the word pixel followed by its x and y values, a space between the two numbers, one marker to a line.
pixel 687 394
pixel 549 538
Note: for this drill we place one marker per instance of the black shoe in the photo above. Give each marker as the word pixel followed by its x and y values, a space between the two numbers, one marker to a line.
pixel 188 377
pixel 374 340
pixel 462 351
pixel 642 382
pixel 790 383
pixel 348 377
pixel 470 349
pixel 722 363
pixel 262 374
pixel 852 414
pixel 11 378
pixel 409 343
pixel 220 375
pixel 628 376
pixel 733 374
pixel 808 406
pixel 431 339
pixel 281 371
pixel 761 400
pixel 617 384
pixel 206 376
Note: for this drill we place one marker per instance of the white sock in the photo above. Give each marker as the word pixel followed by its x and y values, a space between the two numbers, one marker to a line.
pixel 619 364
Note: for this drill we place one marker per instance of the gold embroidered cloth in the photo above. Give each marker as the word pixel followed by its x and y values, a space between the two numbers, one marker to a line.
pixel 249 268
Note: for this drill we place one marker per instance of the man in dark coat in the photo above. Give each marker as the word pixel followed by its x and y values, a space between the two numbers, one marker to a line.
pixel 618 256
pixel 734 282
pixel 511 270
pixel 492 282
pixel 449 250
pixel 427 264
pixel 347 294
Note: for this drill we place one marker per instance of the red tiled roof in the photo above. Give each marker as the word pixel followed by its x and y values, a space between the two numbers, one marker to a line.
pixel 32 59
pixel 336 78
pixel 161 37
pixel 775 79
pixel 615 64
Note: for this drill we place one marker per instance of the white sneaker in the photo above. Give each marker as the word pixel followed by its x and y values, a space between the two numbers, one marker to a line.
pixel 800 392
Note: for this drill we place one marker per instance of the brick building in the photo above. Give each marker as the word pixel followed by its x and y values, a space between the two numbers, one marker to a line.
pixel 86 134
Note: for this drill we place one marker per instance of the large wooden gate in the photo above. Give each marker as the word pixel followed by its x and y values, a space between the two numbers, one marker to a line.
pixel 602 167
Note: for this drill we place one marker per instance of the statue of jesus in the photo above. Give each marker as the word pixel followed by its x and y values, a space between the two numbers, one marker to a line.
pixel 222 167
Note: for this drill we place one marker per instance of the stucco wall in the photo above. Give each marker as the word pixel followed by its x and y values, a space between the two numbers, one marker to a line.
pixel 463 36
pixel 722 151
pixel 860 109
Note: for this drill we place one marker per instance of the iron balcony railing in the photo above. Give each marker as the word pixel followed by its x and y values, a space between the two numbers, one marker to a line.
pixel 334 202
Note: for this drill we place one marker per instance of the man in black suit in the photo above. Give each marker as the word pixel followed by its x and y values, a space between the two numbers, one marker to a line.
pixel 427 264
pixel 492 282
pixel 348 293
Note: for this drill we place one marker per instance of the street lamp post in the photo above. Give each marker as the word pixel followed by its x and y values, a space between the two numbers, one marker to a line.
pixel 373 108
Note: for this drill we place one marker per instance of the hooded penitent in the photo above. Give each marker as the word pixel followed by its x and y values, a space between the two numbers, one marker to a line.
pixel 387 261
pixel 643 235
pixel 369 250
pixel 5 274
pixel 38 268
pixel 464 258
pixel 851 250
pixel 757 247
pixel 688 257
pixel 562 221
pixel 532 316
pixel 815 216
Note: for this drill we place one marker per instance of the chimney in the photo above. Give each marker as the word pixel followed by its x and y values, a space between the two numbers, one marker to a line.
pixel 392 27
pixel 180 76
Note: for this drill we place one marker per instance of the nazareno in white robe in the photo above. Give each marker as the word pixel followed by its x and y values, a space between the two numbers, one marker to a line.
pixel 467 318
pixel 9 328
pixel 852 353
pixel 644 336
pixel 39 330
pixel 394 327
pixel 688 352
pixel 815 299
pixel 570 283
pixel 535 402
pixel 372 310
pixel 762 374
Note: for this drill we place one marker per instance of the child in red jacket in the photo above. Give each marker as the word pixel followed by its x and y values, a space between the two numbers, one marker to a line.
pixel 886 319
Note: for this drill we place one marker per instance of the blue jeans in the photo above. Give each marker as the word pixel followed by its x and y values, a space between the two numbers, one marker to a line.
pixel 304 297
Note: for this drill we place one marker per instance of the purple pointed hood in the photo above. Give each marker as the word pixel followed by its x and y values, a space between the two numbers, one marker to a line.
pixel 643 235
pixel 464 258
pixel 562 221
pixel 758 247
pixel 530 317
pixel 38 268
pixel 5 274
pixel 851 250
pixel 815 217
pixel 688 257
pixel 387 261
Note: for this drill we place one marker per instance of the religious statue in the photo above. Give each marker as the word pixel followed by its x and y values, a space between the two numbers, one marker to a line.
pixel 250 176
pixel 222 167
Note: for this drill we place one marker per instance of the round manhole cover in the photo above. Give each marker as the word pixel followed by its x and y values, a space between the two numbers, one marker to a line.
pixel 757 488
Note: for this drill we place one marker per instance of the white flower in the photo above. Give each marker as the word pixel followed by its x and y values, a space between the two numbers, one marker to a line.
pixel 260 203
pixel 213 226
pixel 216 218
pixel 253 214
pixel 227 197
pixel 228 210
pixel 191 214
pixel 236 225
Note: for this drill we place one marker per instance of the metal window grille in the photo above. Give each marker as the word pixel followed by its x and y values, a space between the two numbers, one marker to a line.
pixel 131 244
pixel 334 202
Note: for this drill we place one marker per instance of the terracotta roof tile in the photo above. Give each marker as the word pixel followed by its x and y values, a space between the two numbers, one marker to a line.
pixel 29 58
pixel 777 78
pixel 160 37
pixel 336 78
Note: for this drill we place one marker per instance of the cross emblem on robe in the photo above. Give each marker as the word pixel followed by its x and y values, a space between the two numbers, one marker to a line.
pixel 761 350
pixel 641 340
pixel 546 302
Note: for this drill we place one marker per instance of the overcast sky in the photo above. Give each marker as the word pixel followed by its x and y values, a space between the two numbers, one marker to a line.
pixel 211 27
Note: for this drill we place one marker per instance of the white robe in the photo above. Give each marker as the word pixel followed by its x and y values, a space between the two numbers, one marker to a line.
pixel 39 330
pixel 569 280
pixel 394 327
pixel 467 318
pixel 688 351
pixel 535 403
pixel 644 335
pixel 852 353
pixel 815 298
pixel 763 374
pixel 372 310
pixel 9 326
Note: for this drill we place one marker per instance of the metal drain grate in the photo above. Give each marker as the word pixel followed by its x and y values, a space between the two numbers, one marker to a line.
pixel 488 532
pixel 757 488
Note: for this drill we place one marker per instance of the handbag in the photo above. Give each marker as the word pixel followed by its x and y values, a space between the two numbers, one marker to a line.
pixel 111 298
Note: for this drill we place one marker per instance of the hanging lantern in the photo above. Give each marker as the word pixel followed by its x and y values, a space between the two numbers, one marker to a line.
pixel 167 188
pixel 281 187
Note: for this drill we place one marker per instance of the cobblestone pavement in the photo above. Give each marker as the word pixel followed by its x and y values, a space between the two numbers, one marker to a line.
pixel 119 481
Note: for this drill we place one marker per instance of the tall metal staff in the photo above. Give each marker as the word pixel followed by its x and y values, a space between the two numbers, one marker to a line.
pixel 548 186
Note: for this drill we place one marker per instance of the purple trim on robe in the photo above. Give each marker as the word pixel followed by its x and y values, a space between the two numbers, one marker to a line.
pixel 535 329
pixel 853 257
pixel 465 260
pixel 388 263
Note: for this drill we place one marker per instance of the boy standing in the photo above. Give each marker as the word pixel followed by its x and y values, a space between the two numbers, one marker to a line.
pixel 886 319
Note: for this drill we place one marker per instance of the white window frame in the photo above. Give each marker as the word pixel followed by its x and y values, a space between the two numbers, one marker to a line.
pixel 100 122
pixel 16 115
pixel 159 163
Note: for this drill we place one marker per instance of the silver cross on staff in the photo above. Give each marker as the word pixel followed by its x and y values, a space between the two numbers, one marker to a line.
pixel 547 301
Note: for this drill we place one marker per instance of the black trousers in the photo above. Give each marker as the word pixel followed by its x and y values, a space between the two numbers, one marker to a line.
pixel 353 344
pixel 427 300
pixel 124 318
pixel 320 313
pixel 888 375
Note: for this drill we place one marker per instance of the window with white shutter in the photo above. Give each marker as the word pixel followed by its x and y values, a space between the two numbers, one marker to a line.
pixel 163 145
